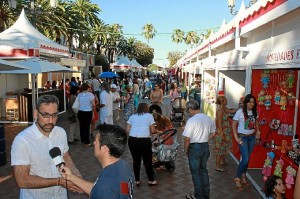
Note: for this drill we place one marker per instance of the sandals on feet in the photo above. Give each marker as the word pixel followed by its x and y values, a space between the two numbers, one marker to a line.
pixel 137 183
pixel 221 170
pixel 238 184
pixel 152 183
pixel 244 181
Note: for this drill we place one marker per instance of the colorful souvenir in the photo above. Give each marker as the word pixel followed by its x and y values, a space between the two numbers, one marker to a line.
pixel 290 79
pixel 261 97
pixel 289 180
pixel 278 168
pixel 265 79
pixel 277 97
pixel 268 101
pixel 282 102
pixel 266 171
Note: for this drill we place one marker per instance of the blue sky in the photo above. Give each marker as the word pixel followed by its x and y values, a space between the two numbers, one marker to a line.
pixel 165 15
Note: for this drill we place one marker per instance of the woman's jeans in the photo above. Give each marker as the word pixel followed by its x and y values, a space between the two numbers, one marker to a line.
pixel 198 154
pixel 246 149
pixel 141 148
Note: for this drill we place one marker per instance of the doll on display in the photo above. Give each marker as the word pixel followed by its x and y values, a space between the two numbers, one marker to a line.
pixel 268 101
pixel 290 79
pixel 265 79
pixel 266 171
pixel 261 97
pixel 277 97
pixel 282 102
pixel 291 98
pixel 289 180
pixel 278 168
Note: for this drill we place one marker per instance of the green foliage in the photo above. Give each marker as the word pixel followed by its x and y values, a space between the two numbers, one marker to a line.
pixel 173 57
pixel 143 53
pixel 149 31
pixel 101 60
pixel 152 68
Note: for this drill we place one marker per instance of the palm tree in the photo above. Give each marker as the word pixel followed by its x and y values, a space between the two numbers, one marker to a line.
pixel 191 38
pixel 149 31
pixel 7 16
pixel 177 36
pixel 99 33
pixel 114 33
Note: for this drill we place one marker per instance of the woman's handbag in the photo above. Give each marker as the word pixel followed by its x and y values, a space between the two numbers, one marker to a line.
pixel 75 106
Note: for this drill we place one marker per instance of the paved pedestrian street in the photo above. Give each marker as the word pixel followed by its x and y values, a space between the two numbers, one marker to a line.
pixel 171 185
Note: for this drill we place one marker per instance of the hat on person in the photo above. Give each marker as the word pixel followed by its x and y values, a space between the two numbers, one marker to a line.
pixel 113 86
pixel 192 104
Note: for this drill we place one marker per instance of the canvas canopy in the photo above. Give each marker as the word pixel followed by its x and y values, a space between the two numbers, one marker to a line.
pixel 22 40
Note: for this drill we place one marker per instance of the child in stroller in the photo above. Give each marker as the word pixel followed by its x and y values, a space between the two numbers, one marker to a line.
pixel 164 143
pixel 178 107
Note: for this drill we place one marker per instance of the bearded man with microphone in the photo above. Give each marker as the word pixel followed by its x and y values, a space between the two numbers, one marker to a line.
pixel 36 154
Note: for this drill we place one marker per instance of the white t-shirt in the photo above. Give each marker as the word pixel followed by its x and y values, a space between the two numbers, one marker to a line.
pixel 115 95
pixel 106 99
pixel 95 84
pixel 140 125
pixel 198 128
pixel 31 147
pixel 85 101
pixel 245 127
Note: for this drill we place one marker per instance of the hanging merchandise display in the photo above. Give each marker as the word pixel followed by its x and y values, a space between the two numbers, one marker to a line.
pixel 267 168
pixel 278 169
pixel 289 180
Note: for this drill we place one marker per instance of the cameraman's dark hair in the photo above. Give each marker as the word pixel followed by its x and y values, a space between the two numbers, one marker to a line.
pixel 114 137
pixel 46 99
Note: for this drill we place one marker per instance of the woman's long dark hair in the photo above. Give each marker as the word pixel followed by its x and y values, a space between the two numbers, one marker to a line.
pixel 270 184
pixel 246 100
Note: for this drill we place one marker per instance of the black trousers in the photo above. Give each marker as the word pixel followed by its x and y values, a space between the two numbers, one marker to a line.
pixel 85 119
pixel 141 148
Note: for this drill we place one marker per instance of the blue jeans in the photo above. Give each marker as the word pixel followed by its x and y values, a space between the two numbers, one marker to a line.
pixel 246 149
pixel 198 155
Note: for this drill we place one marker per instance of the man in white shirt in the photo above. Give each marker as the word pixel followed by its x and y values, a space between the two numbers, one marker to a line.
pixel 116 101
pixel 106 105
pixel 34 170
pixel 199 129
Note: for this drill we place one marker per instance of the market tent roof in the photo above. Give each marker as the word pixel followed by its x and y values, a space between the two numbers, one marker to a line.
pixel 136 64
pixel 8 66
pixel 37 66
pixel 23 36
pixel 122 63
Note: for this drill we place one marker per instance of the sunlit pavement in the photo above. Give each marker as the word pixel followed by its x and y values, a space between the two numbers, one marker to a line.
pixel 171 185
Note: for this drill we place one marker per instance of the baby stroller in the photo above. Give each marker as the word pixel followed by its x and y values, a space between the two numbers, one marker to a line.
pixel 155 108
pixel 164 149
pixel 177 112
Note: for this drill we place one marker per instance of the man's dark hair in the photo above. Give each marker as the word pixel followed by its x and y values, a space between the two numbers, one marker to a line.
pixel 46 99
pixel 114 137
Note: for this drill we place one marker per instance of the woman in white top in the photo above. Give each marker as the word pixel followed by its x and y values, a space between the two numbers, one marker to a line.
pixel 248 129
pixel 85 112
pixel 140 126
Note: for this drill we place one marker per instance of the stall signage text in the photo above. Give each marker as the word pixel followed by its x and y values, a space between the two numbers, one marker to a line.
pixel 282 56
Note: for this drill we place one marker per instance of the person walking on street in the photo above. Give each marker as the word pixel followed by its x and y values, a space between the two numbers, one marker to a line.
pixel 34 170
pixel 106 105
pixel 116 178
pixel 140 126
pixel 116 102
pixel 199 129
pixel 248 129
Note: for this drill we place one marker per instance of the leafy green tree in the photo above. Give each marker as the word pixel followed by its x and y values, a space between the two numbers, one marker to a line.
pixel 7 16
pixel 177 36
pixel 173 57
pixel 143 53
pixel 191 38
pixel 149 32
pixel 152 67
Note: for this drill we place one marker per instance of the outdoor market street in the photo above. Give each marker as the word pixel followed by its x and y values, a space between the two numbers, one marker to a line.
pixel 171 185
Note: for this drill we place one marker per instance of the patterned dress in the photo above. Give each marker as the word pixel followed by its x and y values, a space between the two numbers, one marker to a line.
pixel 129 108
pixel 223 147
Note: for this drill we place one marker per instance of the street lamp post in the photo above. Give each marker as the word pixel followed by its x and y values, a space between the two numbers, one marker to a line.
pixel 231 5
